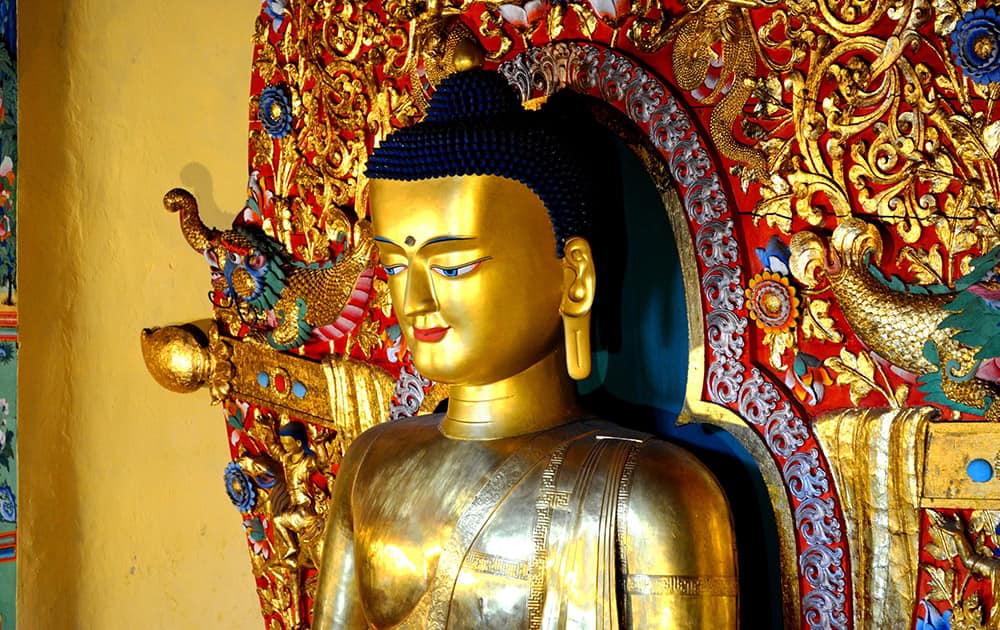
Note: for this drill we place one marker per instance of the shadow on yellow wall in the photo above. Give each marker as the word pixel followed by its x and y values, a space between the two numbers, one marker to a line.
pixel 124 521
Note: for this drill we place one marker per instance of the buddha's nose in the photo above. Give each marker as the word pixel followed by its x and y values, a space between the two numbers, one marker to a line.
pixel 419 298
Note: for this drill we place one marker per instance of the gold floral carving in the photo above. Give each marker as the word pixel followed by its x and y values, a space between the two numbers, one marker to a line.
pixel 339 105
pixel 833 120
pixel 862 375
pixel 956 544
pixel 339 111
pixel 871 124
pixel 294 507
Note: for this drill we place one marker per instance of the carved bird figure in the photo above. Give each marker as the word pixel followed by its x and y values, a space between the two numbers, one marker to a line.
pixel 914 327
pixel 282 298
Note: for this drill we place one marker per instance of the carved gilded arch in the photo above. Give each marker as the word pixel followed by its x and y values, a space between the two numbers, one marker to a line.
pixel 723 387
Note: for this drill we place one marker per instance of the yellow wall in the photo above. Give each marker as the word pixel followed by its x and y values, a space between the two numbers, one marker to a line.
pixel 124 519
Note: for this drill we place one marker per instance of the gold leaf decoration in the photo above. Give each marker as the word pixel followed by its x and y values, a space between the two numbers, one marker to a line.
pixel 554 25
pixel 775 207
pixel 491 27
pixel 942 546
pixel 857 371
pixel 927 266
pixel 779 342
pixel 984 522
pixel 947 13
pixel 942 583
pixel 380 297
pixel 304 221
pixel 366 337
pixel 991 137
pixel 901 393
pixel 261 147
pixel 817 322
pixel 940 173
pixel 587 19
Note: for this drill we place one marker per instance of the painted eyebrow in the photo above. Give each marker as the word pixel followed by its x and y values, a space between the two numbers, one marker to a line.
pixel 436 239
pixel 445 239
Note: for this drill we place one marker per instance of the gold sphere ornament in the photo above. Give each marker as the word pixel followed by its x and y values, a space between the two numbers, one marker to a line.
pixel 467 54
pixel 177 357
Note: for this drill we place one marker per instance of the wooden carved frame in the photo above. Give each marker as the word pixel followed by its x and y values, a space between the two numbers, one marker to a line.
pixel 802 140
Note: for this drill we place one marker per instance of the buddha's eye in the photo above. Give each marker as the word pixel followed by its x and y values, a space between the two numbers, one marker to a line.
pixel 392 270
pixel 461 270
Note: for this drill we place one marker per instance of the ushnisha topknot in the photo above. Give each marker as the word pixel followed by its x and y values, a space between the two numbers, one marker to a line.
pixel 475 125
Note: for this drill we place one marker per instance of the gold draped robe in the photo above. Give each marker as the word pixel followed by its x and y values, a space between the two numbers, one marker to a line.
pixel 586 525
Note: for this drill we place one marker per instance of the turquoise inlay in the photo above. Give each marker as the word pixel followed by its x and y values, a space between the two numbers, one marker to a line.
pixel 299 389
pixel 263 379
pixel 979 470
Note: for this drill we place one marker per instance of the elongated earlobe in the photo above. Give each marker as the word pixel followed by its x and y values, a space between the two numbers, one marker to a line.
pixel 579 282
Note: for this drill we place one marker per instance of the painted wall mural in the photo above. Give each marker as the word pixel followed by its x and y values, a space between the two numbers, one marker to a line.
pixel 835 171
pixel 8 311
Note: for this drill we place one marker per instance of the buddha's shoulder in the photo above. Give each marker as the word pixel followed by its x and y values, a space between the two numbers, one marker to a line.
pixel 666 476
pixel 394 435
pixel 659 471
pixel 686 522
pixel 419 425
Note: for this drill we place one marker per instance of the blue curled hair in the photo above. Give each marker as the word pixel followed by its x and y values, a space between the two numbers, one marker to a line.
pixel 475 125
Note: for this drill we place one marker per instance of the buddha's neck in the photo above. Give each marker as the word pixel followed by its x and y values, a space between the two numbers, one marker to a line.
pixel 539 398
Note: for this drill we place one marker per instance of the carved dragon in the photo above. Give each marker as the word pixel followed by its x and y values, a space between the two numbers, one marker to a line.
pixel 904 325
pixel 714 52
pixel 280 299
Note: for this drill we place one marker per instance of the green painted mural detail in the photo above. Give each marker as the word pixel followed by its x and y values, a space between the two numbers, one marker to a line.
pixel 8 313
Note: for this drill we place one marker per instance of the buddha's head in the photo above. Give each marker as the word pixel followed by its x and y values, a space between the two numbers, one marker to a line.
pixel 483 215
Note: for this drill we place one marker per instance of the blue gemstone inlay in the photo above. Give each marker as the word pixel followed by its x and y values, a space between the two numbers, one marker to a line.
pixel 979 470
pixel 299 389
pixel 263 379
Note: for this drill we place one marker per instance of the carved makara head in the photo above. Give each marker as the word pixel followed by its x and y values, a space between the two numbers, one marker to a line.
pixel 244 262
pixel 246 267
pixel 262 286
pixel 853 244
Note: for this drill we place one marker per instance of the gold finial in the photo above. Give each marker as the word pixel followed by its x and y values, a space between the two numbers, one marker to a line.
pixel 454 48
pixel 466 54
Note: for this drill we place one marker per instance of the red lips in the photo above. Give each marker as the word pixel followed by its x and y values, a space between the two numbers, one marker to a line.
pixel 430 334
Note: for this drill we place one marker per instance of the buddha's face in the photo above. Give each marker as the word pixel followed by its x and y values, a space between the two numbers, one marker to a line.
pixel 474 278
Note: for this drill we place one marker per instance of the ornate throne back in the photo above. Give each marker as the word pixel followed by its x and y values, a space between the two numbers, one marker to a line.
pixel 787 142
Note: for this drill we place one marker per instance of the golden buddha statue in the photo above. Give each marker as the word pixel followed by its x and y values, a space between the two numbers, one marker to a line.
pixel 515 508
